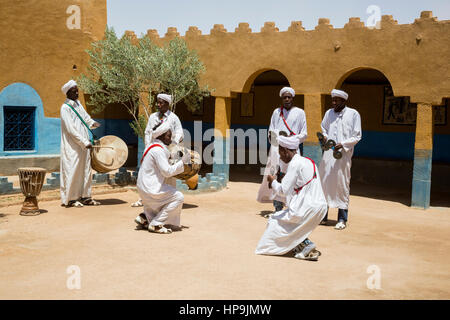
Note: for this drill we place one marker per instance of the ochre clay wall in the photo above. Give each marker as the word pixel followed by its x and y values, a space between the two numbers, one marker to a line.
pixel 37 47
pixel 414 57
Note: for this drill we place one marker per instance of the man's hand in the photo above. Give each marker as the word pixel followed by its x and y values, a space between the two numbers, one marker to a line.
pixel 96 125
pixel 338 146
pixel 270 179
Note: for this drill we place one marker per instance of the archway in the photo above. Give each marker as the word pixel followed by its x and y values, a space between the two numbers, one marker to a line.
pixel 383 160
pixel 250 118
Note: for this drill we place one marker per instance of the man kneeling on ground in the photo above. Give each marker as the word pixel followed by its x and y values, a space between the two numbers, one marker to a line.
pixel 162 202
pixel 289 229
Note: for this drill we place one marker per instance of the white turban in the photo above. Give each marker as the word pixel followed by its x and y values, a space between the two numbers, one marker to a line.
pixel 68 85
pixel 163 128
pixel 339 93
pixel 287 89
pixel 291 142
pixel 165 97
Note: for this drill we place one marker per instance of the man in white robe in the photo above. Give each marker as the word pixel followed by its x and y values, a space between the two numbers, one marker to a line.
pixel 288 120
pixel 343 125
pixel 290 228
pixel 75 163
pixel 164 114
pixel 162 202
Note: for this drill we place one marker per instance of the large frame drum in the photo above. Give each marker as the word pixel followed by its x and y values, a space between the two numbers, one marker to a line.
pixel 31 182
pixel 108 153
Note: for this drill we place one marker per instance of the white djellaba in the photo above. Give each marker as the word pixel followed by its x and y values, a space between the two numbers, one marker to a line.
pixel 75 162
pixel 296 120
pixel 175 126
pixel 344 128
pixel 306 207
pixel 162 202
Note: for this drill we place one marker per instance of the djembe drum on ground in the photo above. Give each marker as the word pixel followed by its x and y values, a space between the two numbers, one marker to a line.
pixel 31 182
pixel 108 153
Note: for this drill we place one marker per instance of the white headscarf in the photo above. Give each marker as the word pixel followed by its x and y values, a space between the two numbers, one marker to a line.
pixel 291 142
pixel 163 128
pixel 165 97
pixel 339 93
pixel 68 85
pixel 287 89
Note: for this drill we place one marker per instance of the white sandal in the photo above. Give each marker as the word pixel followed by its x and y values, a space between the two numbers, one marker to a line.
pixel 137 204
pixel 141 220
pixel 90 202
pixel 162 229
pixel 340 225
pixel 76 204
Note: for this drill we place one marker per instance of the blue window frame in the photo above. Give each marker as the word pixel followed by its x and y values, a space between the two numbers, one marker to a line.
pixel 19 128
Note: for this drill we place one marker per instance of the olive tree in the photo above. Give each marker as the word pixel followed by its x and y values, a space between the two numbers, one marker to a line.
pixel 129 73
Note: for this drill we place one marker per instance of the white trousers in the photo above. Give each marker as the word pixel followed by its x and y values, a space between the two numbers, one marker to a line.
pixel 165 212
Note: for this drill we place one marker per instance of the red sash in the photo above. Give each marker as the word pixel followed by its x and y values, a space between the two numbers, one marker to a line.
pixel 148 149
pixel 297 190
pixel 292 133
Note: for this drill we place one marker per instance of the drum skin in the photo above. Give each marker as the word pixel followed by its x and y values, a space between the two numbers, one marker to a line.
pixel 112 157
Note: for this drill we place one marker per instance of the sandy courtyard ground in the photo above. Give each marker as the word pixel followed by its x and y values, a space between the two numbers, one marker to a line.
pixel 213 258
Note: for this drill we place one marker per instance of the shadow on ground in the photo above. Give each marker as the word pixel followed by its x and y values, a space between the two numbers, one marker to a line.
pixel 189 206
pixel 109 202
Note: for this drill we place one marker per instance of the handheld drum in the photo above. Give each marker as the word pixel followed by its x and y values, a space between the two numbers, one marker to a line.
pixel 177 152
pixel 31 182
pixel 108 153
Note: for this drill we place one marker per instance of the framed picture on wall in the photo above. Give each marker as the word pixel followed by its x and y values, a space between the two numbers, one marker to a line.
pixel 247 104
pixel 398 110
pixel 440 114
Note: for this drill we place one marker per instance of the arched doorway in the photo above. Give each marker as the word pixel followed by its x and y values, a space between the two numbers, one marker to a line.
pixel 382 165
pixel 250 118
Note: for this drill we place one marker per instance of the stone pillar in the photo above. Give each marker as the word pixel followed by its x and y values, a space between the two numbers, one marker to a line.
pixel 222 121
pixel 313 111
pixel 423 150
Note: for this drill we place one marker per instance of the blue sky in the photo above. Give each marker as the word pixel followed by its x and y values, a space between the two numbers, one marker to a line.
pixel 141 15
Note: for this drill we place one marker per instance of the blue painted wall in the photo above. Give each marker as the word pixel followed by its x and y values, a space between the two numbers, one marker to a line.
pixel 46 141
pixel 382 144
pixel 420 195
pixel 441 148
pixel 374 144
pixel 48 130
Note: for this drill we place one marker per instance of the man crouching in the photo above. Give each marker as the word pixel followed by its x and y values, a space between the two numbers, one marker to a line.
pixel 289 229
pixel 162 202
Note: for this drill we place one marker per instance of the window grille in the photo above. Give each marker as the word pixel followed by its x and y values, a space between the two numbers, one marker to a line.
pixel 19 128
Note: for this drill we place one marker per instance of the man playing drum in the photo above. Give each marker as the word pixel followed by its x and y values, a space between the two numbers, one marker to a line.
pixel 288 120
pixel 162 202
pixel 163 115
pixel 306 206
pixel 75 162
pixel 343 125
